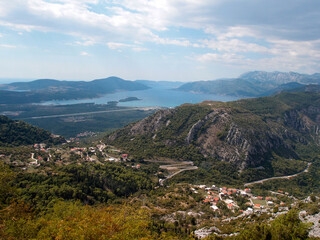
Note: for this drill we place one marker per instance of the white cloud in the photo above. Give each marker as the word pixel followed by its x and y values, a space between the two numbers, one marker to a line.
pixel 84 54
pixel 227 58
pixel 282 55
pixel 119 46
pixel 234 45
pixel 229 30
pixel 7 46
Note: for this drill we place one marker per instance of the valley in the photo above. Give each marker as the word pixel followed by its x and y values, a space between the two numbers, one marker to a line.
pixel 210 170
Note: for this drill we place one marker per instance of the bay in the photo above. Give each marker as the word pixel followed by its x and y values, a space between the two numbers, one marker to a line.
pixel 154 97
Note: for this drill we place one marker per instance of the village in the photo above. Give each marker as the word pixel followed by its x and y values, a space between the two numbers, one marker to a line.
pixel 225 203
pixel 41 154
pixel 242 200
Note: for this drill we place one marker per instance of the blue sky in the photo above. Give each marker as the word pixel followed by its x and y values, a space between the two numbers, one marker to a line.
pixel 175 40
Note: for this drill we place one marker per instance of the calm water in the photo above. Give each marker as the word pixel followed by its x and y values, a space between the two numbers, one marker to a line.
pixel 150 98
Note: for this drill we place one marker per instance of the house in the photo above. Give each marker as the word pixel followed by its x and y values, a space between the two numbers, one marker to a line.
pixel 247 190
pixel 231 206
pixel 270 203
pixel 257 206
pixel 248 211
pixel 214 207
pixel 42 145
pixel 243 193
pixel 228 201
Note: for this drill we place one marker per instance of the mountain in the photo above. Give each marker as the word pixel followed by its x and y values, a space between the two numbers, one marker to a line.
pixel 253 84
pixel 281 77
pixel 232 87
pixel 16 133
pixel 50 89
pixel 160 84
pixel 248 133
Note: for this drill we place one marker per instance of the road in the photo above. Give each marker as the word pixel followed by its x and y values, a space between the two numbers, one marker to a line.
pixel 283 177
pixel 176 168
pixel 89 113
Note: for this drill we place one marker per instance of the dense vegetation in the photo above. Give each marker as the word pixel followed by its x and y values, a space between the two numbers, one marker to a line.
pixel 89 183
pixel 64 217
pixel 15 133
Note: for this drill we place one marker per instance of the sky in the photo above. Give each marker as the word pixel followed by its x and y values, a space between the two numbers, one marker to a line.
pixel 173 40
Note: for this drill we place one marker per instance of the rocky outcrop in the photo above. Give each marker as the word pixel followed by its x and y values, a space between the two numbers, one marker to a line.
pixel 196 127
pixel 151 124
pixel 148 125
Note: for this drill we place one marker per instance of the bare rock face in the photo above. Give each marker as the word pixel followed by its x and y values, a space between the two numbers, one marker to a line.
pixel 151 124
pixel 147 125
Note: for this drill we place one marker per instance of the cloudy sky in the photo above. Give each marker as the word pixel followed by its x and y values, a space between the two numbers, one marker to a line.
pixel 181 40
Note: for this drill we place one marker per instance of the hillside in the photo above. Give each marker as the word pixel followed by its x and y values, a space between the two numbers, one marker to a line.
pixel 253 84
pixel 16 133
pixel 266 133
pixel 50 89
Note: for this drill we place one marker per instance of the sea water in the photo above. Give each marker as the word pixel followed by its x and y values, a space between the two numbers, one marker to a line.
pixel 153 97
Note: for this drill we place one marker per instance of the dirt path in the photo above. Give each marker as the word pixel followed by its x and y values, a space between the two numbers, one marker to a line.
pixel 282 177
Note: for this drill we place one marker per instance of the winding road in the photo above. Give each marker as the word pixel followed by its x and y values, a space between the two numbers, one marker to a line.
pixel 282 177
pixel 176 168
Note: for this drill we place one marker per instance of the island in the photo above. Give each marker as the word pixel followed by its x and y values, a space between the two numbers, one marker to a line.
pixel 129 99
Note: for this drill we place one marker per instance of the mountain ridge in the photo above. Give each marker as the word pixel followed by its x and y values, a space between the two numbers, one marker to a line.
pixel 252 84
pixel 248 133
pixel 51 89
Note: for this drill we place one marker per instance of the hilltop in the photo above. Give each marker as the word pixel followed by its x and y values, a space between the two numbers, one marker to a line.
pixel 16 133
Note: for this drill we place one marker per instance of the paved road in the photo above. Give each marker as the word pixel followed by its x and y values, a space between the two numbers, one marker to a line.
pixel 97 112
pixel 178 167
pixel 283 177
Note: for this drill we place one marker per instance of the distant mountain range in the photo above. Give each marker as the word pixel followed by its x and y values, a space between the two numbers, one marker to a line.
pixel 50 89
pixel 253 84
